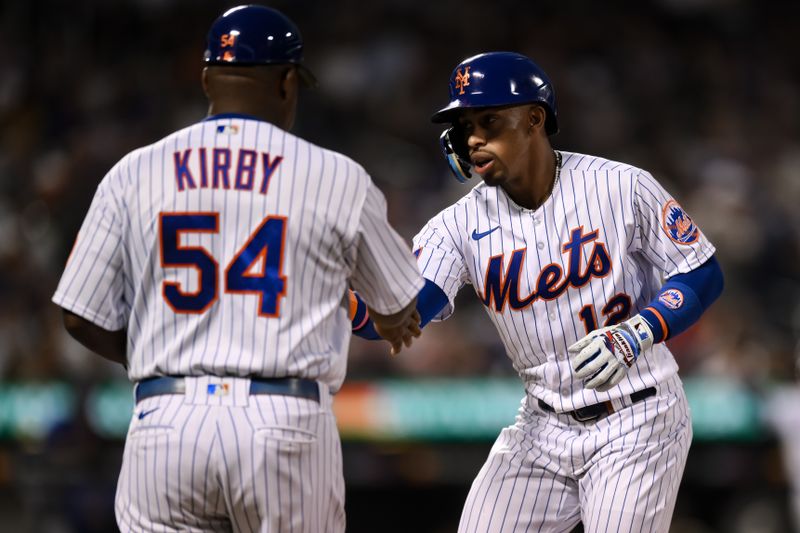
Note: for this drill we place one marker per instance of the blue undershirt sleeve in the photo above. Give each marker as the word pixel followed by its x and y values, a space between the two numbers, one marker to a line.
pixel 683 299
pixel 430 302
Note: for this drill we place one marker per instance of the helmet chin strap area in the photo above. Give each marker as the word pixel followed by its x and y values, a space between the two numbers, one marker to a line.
pixel 456 153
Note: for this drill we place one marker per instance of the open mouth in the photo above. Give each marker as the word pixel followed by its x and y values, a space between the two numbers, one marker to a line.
pixel 482 162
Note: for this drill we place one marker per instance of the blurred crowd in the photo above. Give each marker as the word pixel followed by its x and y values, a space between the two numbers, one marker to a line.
pixel 705 94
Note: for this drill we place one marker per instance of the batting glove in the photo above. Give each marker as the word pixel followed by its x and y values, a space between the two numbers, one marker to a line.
pixel 604 356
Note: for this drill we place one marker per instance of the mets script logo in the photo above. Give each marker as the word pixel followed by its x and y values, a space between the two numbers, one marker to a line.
pixel 552 280
pixel 462 79
pixel 678 225
pixel 672 298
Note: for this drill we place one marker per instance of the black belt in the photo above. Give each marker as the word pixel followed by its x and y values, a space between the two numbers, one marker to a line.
pixel 593 412
pixel 302 388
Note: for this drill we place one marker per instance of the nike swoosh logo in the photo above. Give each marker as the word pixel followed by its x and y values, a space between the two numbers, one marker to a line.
pixel 145 413
pixel 478 236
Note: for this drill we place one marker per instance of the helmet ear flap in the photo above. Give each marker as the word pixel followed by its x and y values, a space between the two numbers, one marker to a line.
pixel 456 152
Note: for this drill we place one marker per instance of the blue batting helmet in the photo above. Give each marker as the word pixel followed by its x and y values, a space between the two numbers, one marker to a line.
pixel 256 35
pixel 499 79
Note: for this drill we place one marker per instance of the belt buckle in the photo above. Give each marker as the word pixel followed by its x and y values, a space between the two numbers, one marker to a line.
pixel 588 418
pixel 595 411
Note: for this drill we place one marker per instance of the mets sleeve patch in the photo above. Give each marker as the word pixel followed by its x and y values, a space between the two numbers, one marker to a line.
pixel 672 298
pixel 678 225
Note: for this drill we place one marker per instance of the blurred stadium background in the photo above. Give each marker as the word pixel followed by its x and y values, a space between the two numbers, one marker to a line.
pixel 703 93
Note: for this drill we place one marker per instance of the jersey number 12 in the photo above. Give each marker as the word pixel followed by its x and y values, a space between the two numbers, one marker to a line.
pixel 257 268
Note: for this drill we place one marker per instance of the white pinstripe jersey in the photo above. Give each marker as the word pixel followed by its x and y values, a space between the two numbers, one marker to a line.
pixel 596 252
pixel 226 248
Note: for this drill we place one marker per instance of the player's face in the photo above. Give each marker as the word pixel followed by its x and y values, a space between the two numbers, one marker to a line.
pixel 499 142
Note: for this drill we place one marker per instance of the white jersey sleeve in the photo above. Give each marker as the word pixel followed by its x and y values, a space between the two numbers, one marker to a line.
pixel 92 285
pixel 441 260
pixel 666 235
pixel 385 274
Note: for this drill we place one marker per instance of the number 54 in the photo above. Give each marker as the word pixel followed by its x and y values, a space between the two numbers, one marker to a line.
pixel 263 248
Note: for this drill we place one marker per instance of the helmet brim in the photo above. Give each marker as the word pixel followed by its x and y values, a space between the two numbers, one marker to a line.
pixel 447 114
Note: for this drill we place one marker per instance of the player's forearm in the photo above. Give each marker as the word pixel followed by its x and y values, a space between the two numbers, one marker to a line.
pixel 430 302
pixel 683 299
pixel 109 344
pixel 602 358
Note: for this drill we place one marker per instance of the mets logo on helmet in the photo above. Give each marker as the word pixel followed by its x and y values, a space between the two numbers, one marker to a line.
pixel 462 79
pixel 678 225
pixel 672 298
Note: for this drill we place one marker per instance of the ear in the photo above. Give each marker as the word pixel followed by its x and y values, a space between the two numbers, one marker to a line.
pixel 204 81
pixel 289 84
pixel 536 117
pixel 288 89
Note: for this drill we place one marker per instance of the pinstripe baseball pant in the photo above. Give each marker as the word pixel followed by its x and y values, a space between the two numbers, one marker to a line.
pixel 199 462
pixel 619 473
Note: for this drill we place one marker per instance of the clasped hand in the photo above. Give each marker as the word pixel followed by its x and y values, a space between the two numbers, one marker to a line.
pixel 400 333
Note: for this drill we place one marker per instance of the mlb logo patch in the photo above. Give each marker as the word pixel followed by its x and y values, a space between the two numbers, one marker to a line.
pixel 228 129
pixel 219 389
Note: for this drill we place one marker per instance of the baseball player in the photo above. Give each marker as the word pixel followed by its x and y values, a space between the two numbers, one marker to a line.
pixel 585 266
pixel 212 264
